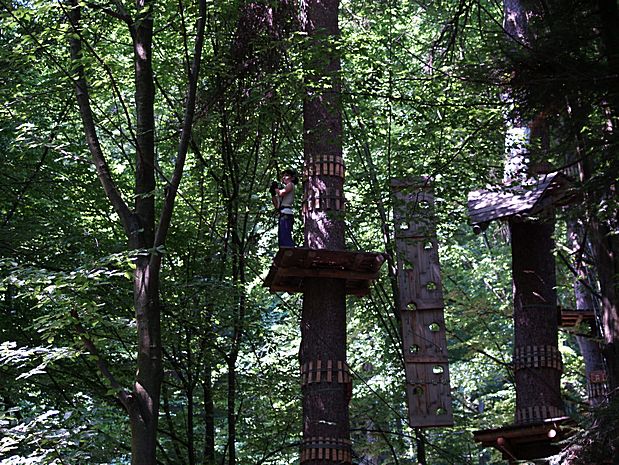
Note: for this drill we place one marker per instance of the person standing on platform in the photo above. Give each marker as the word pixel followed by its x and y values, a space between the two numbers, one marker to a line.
pixel 286 199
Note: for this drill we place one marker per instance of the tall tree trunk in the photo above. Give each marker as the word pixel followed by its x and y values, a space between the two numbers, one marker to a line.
pixel 209 417
pixel 609 15
pixel 518 133
pixel 421 446
pixel 236 243
pixel 238 277
pixel 604 239
pixel 147 386
pixel 142 403
pixel 537 359
pixel 606 251
pixel 585 277
pixel 191 454
pixel 145 411
pixel 605 245
pixel 232 409
pixel 323 321
pixel 589 347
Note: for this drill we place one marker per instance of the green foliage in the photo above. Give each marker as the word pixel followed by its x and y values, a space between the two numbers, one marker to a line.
pixel 419 99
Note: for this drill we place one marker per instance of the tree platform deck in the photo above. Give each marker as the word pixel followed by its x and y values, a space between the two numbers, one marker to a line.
pixel 292 265
pixel 574 318
pixel 527 441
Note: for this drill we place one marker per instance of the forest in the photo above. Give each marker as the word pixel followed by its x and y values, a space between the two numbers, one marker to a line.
pixel 138 141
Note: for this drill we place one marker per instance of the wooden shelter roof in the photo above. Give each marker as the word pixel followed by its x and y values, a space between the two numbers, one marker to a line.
pixel 529 198
pixel 292 265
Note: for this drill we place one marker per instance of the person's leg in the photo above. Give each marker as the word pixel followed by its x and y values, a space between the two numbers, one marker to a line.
pixel 284 231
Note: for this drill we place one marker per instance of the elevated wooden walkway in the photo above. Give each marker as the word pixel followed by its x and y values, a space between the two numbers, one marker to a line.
pixel 292 265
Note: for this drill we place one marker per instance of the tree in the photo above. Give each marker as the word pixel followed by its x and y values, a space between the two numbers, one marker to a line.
pixel 560 110
pixel 323 321
pixel 144 237
pixel 418 89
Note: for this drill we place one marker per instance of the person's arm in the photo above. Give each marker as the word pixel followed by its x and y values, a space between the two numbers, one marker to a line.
pixel 287 188
pixel 273 190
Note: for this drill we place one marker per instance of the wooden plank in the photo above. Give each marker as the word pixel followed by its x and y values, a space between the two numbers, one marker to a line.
pixel 424 333
pixel 309 258
pixel 598 377
pixel 422 280
pixel 357 288
pixel 571 318
pixel 428 395
pixel 527 442
pixel 531 197
pixel 326 273
pixel 314 258
pixel 526 432
pixel 421 304
pixel 285 288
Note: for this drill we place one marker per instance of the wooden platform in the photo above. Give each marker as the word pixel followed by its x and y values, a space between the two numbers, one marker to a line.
pixel 573 318
pixel 528 441
pixel 530 198
pixel 292 265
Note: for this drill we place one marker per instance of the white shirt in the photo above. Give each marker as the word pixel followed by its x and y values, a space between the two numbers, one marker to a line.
pixel 287 200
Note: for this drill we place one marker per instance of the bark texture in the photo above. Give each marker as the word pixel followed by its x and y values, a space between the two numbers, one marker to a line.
pixel 605 245
pixel 322 120
pixel 605 240
pixel 323 322
pixel 535 318
pixel 147 386
pixel 325 405
pixel 588 344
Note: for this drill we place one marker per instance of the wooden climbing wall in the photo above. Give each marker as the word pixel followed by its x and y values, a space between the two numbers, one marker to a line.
pixel 421 304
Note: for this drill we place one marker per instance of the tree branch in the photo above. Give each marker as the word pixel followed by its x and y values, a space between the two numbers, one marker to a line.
pixel 123 396
pixel 121 14
pixel 83 101
pixel 183 145
pixel 110 75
